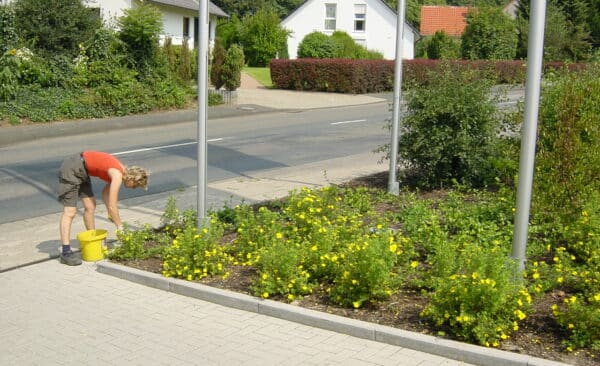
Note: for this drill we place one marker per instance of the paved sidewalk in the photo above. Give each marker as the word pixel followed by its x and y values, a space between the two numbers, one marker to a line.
pixel 104 314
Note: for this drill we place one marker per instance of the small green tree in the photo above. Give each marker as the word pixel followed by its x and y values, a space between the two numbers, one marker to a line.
pixel 451 130
pixel 317 45
pixel 443 47
pixel 490 35
pixel 8 32
pixel 262 37
pixel 185 62
pixel 563 41
pixel 568 158
pixel 140 30
pixel 217 64
pixel 229 31
pixel 231 71
pixel 55 26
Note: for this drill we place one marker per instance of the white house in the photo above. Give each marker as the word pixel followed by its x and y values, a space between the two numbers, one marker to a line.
pixel 371 23
pixel 180 17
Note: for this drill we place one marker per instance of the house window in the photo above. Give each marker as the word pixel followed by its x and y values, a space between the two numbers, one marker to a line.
pixel 330 15
pixel 186 27
pixel 360 16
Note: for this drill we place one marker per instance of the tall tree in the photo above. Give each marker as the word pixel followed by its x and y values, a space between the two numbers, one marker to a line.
pixel 490 35
pixel 262 37
pixel 567 33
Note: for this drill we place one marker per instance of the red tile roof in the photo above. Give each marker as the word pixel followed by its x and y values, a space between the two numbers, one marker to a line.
pixel 450 19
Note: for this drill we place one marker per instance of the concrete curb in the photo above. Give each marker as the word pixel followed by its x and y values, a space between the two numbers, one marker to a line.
pixel 420 342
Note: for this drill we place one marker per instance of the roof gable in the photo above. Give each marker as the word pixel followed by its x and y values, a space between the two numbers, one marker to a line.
pixel 450 19
pixel 385 5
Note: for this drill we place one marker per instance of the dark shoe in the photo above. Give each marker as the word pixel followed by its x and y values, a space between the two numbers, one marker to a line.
pixel 70 259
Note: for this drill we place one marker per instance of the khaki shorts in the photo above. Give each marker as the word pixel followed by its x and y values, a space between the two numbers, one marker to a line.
pixel 73 181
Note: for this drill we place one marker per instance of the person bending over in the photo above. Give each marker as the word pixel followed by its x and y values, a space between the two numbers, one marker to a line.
pixel 74 183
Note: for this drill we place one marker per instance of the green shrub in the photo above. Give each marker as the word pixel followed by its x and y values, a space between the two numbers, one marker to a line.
pixel 580 317
pixel 140 30
pixel 185 68
pixel 442 47
pixel 317 45
pixel 481 301
pixel 364 270
pixel 262 37
pixel 280 271
pixel 195 254
pixel 231 70
pixel 348 48
pixel 55 27
pixel 450 131
pixel 489 35
pixel 568 158
pixel 218 57
pixel 8 32
pixel 138 243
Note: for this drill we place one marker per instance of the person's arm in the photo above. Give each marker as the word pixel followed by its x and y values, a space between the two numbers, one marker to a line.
pixel 110 196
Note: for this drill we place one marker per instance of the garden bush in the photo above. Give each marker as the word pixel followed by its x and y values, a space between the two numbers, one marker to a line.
pixel 317 45
pixel 231 70
pixel 450 131
pixel 140 30
pixel 55 27
pixel 8 32
pixel 567 177
pixel 218 56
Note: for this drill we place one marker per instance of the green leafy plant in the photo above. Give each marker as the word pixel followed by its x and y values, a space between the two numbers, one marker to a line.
pixel 140 29
pixel 137 244
pixel 481 301
pixel 317 45
pixel 231 70
pixel 196 253
pixel 451 131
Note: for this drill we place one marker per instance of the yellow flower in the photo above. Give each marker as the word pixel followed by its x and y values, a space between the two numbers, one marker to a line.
pixel 356 304
pixel 393 248
pixel 279 235
pixel 414 264
pixel 265 295
pixel 521 315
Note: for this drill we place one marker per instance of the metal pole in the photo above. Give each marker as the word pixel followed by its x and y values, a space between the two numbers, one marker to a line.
pixel 393 184
pixel 529 132
pixel 202 107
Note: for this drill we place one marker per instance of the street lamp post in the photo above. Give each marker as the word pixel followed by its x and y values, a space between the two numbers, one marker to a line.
pixel 393 184
pixel 202 108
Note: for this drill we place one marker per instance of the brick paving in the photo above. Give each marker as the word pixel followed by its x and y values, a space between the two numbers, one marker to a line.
pixel 53 314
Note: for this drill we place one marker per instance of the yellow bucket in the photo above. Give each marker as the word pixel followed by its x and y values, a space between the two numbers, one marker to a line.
pixel 91 244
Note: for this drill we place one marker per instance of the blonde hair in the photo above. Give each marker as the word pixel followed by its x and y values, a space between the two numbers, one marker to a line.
pixel 138 175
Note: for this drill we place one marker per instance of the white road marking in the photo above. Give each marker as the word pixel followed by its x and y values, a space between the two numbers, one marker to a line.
pixel 346 122
pixel 161 147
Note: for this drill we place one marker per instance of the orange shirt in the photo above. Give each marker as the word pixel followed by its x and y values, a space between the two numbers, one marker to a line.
pixel 98 163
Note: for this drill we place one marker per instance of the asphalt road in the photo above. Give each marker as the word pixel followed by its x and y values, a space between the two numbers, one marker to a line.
pixel 237 146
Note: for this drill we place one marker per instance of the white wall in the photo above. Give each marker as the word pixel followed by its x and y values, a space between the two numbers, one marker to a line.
pixel 380 28
pixel 111 10
pixel 172 18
